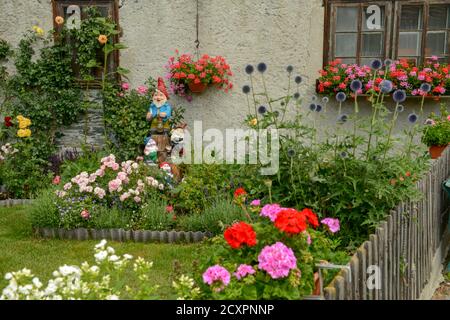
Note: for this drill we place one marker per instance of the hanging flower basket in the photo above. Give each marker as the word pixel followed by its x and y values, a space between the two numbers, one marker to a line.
pixel 197 87
pixel 188 75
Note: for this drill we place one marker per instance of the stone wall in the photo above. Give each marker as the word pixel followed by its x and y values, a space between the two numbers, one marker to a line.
pixel 278 33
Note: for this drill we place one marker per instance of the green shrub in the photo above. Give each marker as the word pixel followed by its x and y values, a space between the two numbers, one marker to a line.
pixel 216 217
pixel 154 216
pixel 43 212
pixel 109 218
pixel 437 131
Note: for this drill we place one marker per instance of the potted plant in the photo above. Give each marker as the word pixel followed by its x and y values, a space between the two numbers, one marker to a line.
pixel 436 133
pixel 188 75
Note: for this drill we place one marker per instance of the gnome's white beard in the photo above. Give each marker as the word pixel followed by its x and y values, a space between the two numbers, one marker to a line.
pixel 160 103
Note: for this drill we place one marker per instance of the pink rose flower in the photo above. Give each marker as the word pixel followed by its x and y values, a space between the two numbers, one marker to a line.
pixel 85 214
pixel 114 185
pixel 142 90
pixel 67 186
pixel 125 86
pixel 56 180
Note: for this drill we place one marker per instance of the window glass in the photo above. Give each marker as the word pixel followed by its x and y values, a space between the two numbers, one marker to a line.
pixel 409 44
pixel 411 18
pixel 346 19
pixel 346 45
pixel 372 45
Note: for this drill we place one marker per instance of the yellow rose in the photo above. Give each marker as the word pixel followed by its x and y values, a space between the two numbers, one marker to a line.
pixel 253 122
pixel 59 20
pixel 102 39
pixel 23 133
pixel 23 124
pixel 20 117
pixel 39 31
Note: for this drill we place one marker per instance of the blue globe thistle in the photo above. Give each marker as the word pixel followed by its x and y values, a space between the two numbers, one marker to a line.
pixel 388 62
pixel 262 109
pixel 400 108
pixel 282 103
pixel 341 96
pixel 297 95
pixel 298 79
pixel 386 86
pixel 325 100
pixel 291 153
pixel 356 85
pixel 343 118
pixel 249 69
pixel 313 98
pixel 376 64
pixel 246 89
pixel 399 96
pixel 289 68
pixel 425 87
pixel 262 67
pixel 344 154
pixel 412 118
pixel 319 108
pixel 312 107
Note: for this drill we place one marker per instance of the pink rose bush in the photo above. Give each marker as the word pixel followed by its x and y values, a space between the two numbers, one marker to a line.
pixel 125 186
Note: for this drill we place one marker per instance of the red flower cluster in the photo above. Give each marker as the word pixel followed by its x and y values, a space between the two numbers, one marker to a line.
pixel 239 234
pixel 206 70
pixel 8 122
pixel 239 192
pixel 337 77
pixel 293 222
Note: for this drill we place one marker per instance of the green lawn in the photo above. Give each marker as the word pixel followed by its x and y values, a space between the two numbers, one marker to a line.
pixel 19 249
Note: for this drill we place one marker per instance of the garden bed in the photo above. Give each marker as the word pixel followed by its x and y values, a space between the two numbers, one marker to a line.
pixel 122 235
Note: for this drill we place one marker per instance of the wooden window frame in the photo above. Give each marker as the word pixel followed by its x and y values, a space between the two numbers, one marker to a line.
pixel 114 61
pixel 392 25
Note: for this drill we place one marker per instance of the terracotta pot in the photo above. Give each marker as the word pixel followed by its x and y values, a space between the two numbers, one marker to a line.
pixel 197 88
pixel 436 151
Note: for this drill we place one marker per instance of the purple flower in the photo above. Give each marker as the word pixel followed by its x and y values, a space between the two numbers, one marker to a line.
pixel 356 85
pixel 399 96
pixel 244 270
pixel 277 260
pixel 341 96
pixel 255 203
pixel 332 224
pixel 217 273
pixel 376 64
pixel 386 86
pixel 270 211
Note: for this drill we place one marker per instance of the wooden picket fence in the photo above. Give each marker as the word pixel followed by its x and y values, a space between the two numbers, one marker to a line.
pixel 403 247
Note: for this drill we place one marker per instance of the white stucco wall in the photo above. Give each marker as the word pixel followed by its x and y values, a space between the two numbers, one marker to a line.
pixel 278 33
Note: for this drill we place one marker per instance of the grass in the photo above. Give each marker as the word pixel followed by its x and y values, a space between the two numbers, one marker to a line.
pixel 20 249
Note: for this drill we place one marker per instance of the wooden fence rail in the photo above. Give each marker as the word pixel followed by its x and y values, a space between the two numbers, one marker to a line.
pixel 405 248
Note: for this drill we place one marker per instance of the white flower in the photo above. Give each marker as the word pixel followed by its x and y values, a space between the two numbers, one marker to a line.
pixel 161 187
pixel 112 297
pixel 127 256
pixel 111 250
pixel 8 276
pixel 113 258
pixel 135 165
pixel 68 270
pixel 100 256
pixel 101 245
pixel 37 283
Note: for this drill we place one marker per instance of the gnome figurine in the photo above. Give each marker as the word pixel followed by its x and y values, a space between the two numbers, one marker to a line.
pixel 159 114
pixel 151 153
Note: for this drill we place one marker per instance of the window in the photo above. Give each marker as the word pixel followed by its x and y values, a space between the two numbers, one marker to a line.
pixel 107 8
pixel 360 31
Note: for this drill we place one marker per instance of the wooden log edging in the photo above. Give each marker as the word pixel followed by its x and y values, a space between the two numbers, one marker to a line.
pixel 15 202
pixel 122 235
pixel 405 250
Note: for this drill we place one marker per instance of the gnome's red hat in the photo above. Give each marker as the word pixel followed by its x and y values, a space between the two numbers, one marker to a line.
pixel 162 87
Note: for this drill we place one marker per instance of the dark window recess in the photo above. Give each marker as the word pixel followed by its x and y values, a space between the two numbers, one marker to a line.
pixel 107 8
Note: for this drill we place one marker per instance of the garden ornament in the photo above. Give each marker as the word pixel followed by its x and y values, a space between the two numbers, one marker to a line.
pixel 151 152
pixel 159 115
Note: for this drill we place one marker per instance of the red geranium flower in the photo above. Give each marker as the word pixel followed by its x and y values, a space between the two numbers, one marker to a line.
pixel 290 221
pixel 311 217
pixel 8 122
pixel 239 234
pixel 239 192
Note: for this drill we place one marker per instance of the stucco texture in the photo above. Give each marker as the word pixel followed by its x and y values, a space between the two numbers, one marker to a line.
pixel 278 33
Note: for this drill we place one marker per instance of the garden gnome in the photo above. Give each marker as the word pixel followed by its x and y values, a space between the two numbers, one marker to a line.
pixel 166 167
pixel 159 115
pixel 151 152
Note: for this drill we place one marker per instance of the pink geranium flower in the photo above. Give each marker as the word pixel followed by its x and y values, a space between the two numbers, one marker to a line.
pixel 217 274
pixel 243 270
pixel 332 224
pixel 277 260
pixel 255 203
